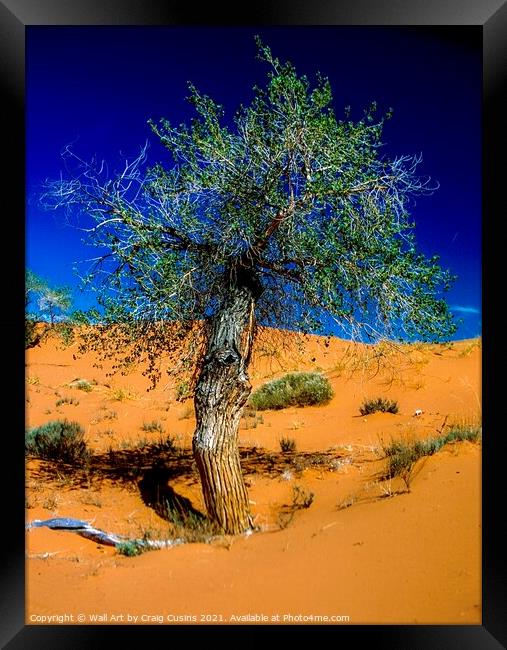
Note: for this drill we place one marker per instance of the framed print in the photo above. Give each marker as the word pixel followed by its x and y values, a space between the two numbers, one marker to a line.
pixel 253 362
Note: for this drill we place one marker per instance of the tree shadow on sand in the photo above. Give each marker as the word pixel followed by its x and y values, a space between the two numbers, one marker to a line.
pixel 150 470
pixel 157 494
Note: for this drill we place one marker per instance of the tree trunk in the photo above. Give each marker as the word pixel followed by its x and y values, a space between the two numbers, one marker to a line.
pixel 221 392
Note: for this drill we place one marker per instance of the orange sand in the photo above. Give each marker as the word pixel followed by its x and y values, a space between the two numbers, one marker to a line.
pixel 390 557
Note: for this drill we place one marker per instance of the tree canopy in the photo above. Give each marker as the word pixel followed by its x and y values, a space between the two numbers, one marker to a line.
pixel 299 200
pixel 44 304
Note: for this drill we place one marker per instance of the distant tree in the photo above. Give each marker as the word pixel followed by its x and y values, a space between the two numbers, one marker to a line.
pixel 288 216
pixel 49 313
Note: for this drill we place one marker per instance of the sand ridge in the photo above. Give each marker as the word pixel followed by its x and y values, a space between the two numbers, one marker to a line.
pixel 362 550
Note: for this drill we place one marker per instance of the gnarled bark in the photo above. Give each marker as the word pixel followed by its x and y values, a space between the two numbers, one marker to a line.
pixel 221 392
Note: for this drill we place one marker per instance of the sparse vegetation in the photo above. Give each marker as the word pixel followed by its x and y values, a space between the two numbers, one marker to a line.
pixel 191 526
pixel 402 455
pixel 348 501
pixel 121 394
pixel 143 444
pixel 82 384
pixel 470 348
pixel 379 404
pixel 33 381
pixel 50 502
pixel 183 391
pixel 131 548
pixel 165 444
pixel 294 389
pixel 66 400
pixel 287 445
pixel 106 432
pixel 105 415
pixel 59 440
pixel 251 419
pixel 153 426
pixel 301 499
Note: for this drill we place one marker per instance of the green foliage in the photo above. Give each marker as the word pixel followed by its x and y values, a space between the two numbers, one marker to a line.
pixel 58 440
pixel 191 526
pixel 287 445
pixel 183 391
pixel 82 384
pixel 378 405
pixel 293 389
pixel 290 198
pixel 131 548
pixel 50 315
pixel 402 455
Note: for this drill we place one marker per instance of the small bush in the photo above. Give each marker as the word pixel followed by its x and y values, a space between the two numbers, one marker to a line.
pixel 57 440
pixel 301 498
pixel 66 400
pixel 183 391
pixel 287 445
pixel 82 384
pixel 131 548
pixel 294 389
pixel 379 404
pixel 153 426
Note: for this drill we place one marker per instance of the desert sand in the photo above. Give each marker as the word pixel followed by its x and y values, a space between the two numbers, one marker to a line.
pixel 364 552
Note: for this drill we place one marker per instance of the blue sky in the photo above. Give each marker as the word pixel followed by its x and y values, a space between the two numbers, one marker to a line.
pixel 96 87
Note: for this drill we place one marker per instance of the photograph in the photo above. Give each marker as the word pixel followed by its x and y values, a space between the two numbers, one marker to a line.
pixel 253 325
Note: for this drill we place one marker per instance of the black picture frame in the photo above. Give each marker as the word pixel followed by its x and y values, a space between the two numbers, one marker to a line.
pixel 15 16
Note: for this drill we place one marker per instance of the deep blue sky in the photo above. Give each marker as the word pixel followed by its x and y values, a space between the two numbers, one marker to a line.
pixel 97 87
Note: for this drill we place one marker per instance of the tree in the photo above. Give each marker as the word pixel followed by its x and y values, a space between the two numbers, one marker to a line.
pixel 52 305
pixel 285 216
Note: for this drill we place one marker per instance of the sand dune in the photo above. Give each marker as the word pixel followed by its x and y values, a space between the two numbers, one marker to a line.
pixel 363 552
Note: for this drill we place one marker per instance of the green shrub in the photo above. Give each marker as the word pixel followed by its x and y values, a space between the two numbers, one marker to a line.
pixel 401 456
pixel 461 432
pixel 131 548
pixel 82 384
pixel 57 440
pixel 183 391
pixel 294 389
pixel 287 445
pixel 370 406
